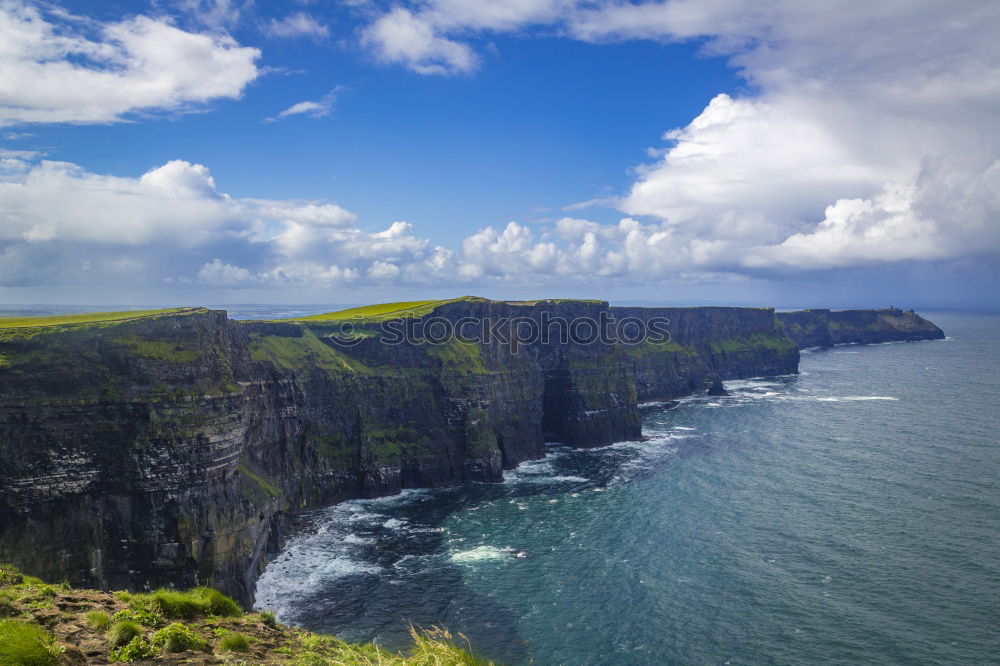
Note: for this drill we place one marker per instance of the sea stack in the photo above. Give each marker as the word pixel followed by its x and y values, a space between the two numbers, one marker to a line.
pixel 717 389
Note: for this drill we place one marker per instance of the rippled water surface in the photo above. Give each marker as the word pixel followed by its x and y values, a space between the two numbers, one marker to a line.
pixel 847 515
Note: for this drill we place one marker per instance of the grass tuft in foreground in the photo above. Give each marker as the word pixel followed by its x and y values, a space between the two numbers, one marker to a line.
pixel 192 603
pixel 232 641
pixel 123 632
pixel 49 625
pixel 27 644
pixel 178 638
pixel 98 620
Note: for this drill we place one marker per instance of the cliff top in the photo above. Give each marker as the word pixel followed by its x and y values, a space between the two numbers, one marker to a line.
pixel 45 625
pixel 889 310
pixel 407 309
pixel 90 318
pixel 367 313
pixel 381 311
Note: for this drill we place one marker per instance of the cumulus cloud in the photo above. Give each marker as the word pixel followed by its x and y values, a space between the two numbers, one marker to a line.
pixel 574 249
pixel 869 135
pixel 748 157
pixel 218 273
pixel 433 36
pixel 852 150
pixel 299 24
pixel 383 270
pixel 942 215
pixel 60 224
pixel 403 37
pixel 56 69
pixel 58 200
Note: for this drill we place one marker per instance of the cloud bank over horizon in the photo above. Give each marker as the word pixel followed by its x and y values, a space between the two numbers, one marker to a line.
pixel 865 137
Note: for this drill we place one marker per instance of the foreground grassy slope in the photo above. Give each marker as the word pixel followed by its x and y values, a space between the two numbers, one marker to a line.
pixel 45 625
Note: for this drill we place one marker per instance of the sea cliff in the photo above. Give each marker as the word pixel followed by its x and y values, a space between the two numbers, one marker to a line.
pixel 825 328
pixel 168 448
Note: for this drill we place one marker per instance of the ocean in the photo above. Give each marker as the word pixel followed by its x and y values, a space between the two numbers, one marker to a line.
pixel 846 515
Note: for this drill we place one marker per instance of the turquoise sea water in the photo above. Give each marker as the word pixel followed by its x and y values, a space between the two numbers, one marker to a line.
pixel 847 515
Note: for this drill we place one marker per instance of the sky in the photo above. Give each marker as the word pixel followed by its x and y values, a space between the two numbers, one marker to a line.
pixel 785 153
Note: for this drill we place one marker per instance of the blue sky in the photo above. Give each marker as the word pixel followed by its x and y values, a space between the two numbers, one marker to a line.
pixel 212 151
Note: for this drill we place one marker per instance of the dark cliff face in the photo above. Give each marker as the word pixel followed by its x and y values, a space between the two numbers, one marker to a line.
pixel 808 328
pixel 707 344
pixel 167 450
pixel 824 328
pixel 119 445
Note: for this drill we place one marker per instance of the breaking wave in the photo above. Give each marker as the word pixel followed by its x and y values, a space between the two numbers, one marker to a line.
pixel 483 554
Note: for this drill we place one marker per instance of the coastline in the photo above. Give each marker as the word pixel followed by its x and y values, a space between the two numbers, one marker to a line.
pixel 228 426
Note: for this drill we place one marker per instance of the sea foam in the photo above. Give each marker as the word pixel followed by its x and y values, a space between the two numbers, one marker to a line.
pixel 483 554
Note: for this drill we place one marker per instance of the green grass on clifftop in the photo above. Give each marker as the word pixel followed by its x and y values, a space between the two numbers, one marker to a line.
pixel 89 317
pixel 382 311
pixel 46 625
pixel 410 309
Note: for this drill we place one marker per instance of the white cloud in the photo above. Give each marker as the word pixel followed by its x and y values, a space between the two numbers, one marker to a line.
pixel 490 252
pixel 70 71
pixel 310 108
pixel 383 270
pixel 310 214
pixel 574 249
pixel 299 24
pixel 850 152
pixel 749 157
pixel 313 109
pixel 53 200
pixel 216 14
pixel 870 136
pixel 942 215
pixel 60 223
pixel 221 274
pixel 402 37
pixel 309 273
pixel 430 37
